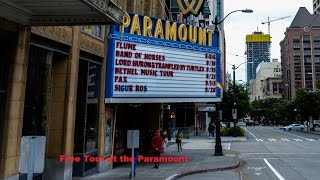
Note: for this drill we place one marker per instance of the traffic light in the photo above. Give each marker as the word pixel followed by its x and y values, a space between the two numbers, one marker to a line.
pixel 172 116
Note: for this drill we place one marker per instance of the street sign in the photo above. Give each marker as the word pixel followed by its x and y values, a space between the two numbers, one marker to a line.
pixel 32 153
pixel 133 139
pixel 231 124
pixel 234 113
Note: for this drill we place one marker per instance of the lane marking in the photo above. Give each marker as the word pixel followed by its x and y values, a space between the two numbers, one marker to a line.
pixel 251 134
pixel 259 140
pixel 262 158
pixel 310 140
pixel 272 140
pixel 231 155
pixel 241 178
pixel 293 134
pixel 257 168
pixel 171 177
pixel 297 139
pixel 274 170
pixel 284 139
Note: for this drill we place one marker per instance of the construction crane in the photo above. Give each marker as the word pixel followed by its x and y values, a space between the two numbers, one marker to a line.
pixel 268 22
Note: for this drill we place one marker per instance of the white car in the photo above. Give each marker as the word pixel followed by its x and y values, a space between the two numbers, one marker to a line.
pixel 296 127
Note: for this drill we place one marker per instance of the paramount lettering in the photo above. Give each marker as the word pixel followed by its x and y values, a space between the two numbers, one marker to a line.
pixel 168 159
pixel 166 30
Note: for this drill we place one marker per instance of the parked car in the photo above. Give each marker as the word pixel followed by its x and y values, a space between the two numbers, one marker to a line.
pixel 222 125
pixel 241 123
pixel 316 123
pixel 250 122
pixel 296 127
pixel 256 123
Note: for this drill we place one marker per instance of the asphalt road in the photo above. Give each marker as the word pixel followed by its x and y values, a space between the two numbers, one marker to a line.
pixel 271 153
pixel 219 175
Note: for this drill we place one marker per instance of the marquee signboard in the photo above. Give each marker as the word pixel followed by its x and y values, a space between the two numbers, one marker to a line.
pixel 153 61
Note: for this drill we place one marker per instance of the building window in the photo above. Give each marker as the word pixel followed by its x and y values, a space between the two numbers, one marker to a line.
pixel 296 52
pixel 306 38
pixel 97 30
pixel 307 59
pixel 317 52
pixel 316 45
pixel 296 39
pixel 276 70
pixel 207 23
pixel 298 85
pixel 307 52
pixel 306 45
pixel 206 16
pixel 316 39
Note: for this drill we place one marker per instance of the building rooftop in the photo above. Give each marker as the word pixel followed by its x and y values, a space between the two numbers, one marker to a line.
pixel 304 18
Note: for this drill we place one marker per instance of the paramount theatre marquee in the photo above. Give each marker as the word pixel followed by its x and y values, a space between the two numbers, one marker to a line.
pixel 153 61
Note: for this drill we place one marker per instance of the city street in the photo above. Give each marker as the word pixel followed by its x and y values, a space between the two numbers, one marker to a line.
pixel 271 153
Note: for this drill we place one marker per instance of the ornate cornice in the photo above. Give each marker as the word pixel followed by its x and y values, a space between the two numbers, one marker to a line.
pixel 61 34
pixel 92 45
pixel 108 8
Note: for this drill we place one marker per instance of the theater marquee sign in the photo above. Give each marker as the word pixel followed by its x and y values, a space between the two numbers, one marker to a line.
pixel 153 61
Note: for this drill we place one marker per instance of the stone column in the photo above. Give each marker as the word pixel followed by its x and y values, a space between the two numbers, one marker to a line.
pixel 53 168
pixel 64 137
pixel 10 150
pixel 102 166
pixel 71 99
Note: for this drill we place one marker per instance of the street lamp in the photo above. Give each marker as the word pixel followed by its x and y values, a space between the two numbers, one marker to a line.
pixel 295 113
pixel 218 146
pixel 215 22
pixel 234 109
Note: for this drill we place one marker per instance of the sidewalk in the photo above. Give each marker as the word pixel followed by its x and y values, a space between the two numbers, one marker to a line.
pixel 200 153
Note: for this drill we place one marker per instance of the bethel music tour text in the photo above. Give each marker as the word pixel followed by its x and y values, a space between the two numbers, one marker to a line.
pixel 124 158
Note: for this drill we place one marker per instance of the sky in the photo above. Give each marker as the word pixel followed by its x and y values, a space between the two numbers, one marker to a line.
pixel 237 25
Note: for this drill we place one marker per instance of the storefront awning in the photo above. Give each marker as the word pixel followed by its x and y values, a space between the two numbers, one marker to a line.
pixel 60 12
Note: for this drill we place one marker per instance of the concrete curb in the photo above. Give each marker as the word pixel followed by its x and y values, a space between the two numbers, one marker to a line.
pixel 198 171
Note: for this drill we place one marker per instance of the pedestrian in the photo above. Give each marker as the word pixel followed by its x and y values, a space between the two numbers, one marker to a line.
pixel 157 145
pixel 136 154
pixel 210 129
pixel 179 139
pixel 165 140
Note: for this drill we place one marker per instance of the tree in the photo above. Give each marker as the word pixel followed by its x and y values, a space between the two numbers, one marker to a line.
pixel 241 99
pixel 273 110
pixel 308 103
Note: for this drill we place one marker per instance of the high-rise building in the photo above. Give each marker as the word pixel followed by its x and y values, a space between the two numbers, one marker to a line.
pixel 300 53
pixel 316 6
pixel 257 51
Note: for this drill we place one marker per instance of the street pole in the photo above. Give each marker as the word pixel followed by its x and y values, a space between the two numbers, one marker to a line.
pixel 218 117
pixel 234 112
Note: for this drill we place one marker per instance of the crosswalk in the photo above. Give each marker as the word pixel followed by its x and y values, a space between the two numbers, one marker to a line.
pixel 287 140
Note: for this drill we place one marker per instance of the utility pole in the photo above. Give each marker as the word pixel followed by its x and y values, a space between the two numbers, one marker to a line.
pixel 234 105
pixel 218 118
pixel 234 109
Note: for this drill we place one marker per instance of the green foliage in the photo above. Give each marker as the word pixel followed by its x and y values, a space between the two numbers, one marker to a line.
pixel 238 131
pixel 241 98
pixel 274 110
pixel 308 103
